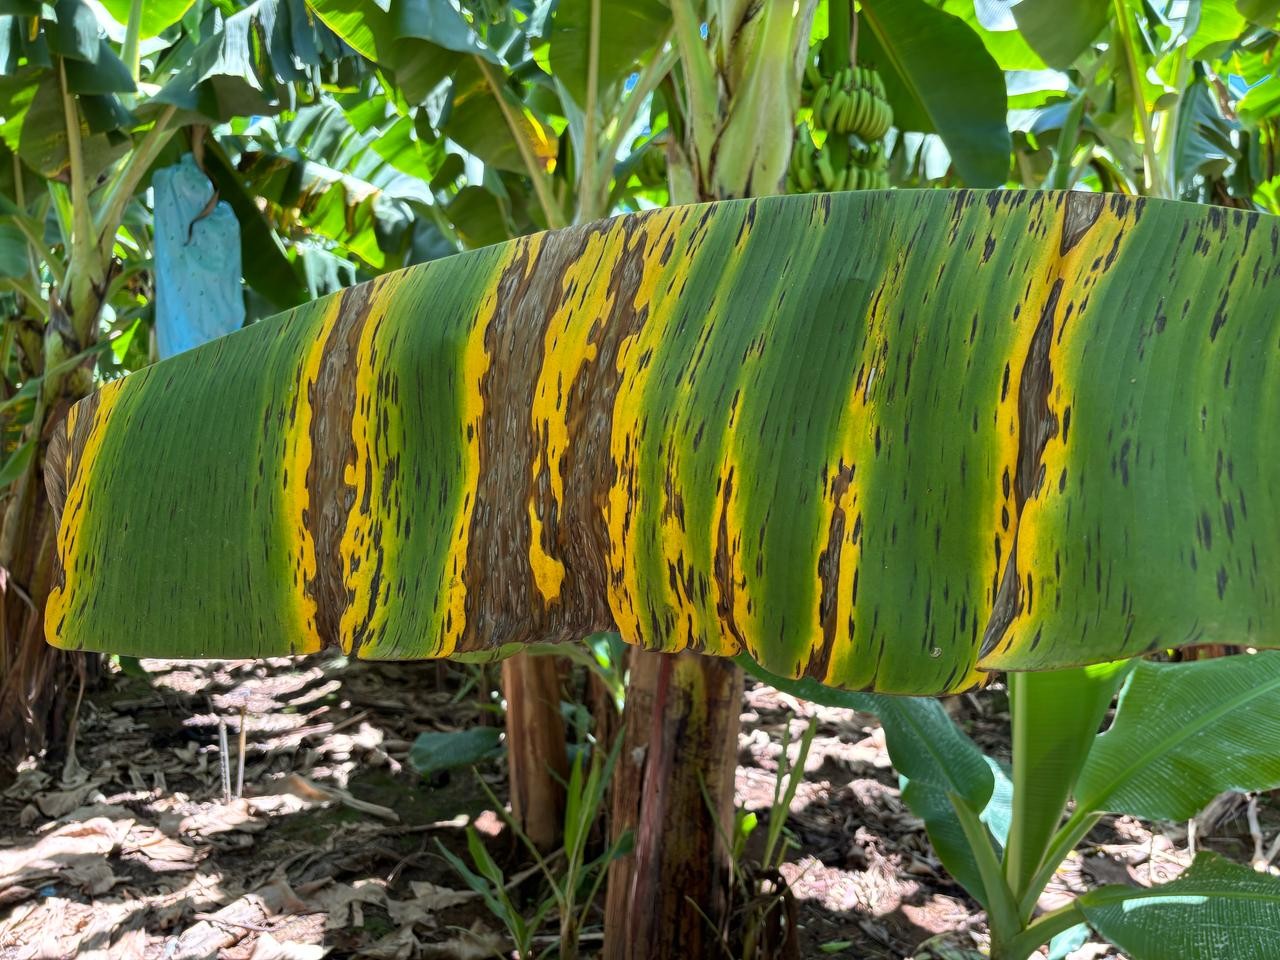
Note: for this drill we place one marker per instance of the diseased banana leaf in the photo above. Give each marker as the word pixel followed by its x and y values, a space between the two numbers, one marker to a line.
pixel 886 440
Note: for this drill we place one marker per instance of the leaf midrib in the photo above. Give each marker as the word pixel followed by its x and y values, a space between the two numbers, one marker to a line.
pixel 1162 893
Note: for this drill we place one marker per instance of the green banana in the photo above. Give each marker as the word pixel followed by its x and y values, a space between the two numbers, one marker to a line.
pixel 862 115
pixel 850 101
pixel 845 124
pixel 819 101
pixel 825 170
pixel 805 176
pixel 885 118
pixel 837 106
pixel 870 122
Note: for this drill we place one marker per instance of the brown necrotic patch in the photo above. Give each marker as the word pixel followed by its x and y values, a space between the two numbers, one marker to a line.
pixel 62 457
pixel 1080 211
pixel 581 535
pixel 1037 422
pixel 62 460
pixel 829 577
pixel 722 565
pixel 332 398
pixel 502 603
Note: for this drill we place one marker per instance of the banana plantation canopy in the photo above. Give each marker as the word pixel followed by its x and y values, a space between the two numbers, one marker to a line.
pixel 890 440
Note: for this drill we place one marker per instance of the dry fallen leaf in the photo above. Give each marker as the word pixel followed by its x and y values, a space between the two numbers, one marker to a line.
pixel 398 945
pixel 89 876
pixel 55 803
pixel 280 804
pixel 217 818
pixel 108 918
pixel 478 943
pixel 15 894
pixel 268 947
pixel 341 903
pixel 74 851
pixel 311 792
pixel 29 781
pixel 428 900
pixel 165 853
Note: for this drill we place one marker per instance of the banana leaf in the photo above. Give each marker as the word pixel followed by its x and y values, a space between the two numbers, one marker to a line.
pixel 887 440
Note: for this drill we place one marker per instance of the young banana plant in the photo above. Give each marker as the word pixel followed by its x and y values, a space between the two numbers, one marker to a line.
pixel 1181 734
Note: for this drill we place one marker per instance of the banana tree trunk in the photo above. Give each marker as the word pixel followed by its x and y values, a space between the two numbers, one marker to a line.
pixel 674 788
pixel 627 789
pixel 39 684
pixel 39 681
pixel 537 762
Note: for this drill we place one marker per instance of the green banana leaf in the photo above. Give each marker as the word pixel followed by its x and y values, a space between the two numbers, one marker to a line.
pixel 1216 909
pixel 1055 717
pixel 1184 733
pixel 887 440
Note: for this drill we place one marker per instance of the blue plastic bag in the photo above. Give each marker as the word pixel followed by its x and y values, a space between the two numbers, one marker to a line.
pixel 197 261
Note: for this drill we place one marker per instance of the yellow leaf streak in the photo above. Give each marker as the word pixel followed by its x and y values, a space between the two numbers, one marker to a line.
pixel 475 365
pixel 1081 269
pixel 296 500
pixel 723 639
pixel 856 449
pixel 368 557
pixel 658 294
pixel 568 346
pixel 70 544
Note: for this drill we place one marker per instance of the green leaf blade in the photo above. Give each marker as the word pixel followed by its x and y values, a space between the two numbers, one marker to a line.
pixel 1061 32
pixel 626 30
pixel 933 805
pixel 1056 716
pixel 920 51
pixel 930 471
pixel 157 15
pixel 1184 733
pixel 1216 909
pixel 435 752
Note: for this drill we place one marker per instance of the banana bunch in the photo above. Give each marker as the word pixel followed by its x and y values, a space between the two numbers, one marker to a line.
pixel 853 101
pixel 871 167
pixel 811 168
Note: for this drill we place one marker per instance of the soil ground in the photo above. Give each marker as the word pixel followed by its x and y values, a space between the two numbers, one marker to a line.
pixel 128 850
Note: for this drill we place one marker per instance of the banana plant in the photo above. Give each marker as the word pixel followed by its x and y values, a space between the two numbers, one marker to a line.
pixel 92 97
pixel 743 72
pixel 1182 733
pixel 831 431
pixel 352 173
